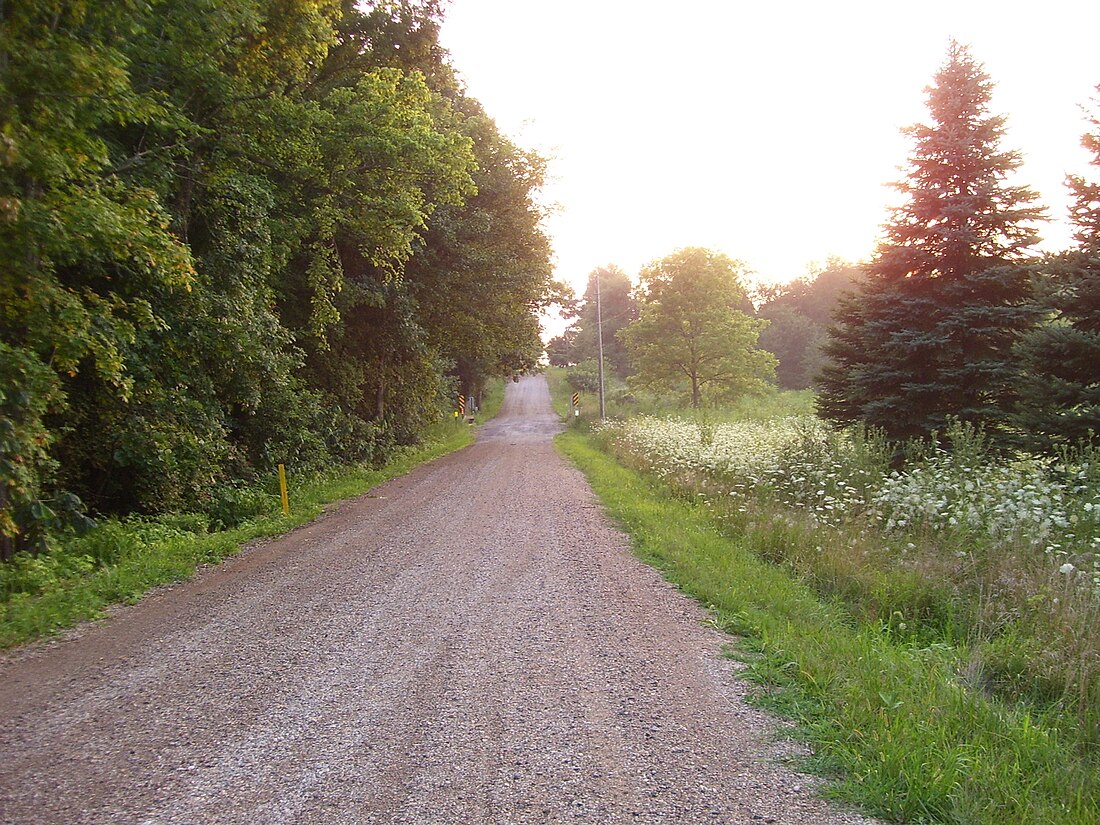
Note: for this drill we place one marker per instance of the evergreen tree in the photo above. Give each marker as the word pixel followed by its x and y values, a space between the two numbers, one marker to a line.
pixel 929 336
pixel 1060 381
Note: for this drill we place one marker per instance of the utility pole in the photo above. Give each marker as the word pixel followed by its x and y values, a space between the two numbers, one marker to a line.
pixel 599 342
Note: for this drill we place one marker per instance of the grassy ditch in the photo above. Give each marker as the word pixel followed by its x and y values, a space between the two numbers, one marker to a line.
pixel 121 560
pixel 891 717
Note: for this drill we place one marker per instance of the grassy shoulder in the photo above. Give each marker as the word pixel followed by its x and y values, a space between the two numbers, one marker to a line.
pixel 889 719
pixel 120 561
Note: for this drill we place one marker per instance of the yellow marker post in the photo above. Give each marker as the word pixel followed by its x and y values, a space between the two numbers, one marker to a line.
pixel 282 490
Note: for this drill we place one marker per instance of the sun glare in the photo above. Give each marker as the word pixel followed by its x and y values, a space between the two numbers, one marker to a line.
pixel 770 133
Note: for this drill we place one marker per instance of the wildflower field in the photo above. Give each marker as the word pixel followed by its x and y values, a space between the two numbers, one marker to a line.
pixel 1045 506
pixel 997 557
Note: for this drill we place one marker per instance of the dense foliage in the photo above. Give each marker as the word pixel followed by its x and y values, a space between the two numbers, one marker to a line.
pixel 237 234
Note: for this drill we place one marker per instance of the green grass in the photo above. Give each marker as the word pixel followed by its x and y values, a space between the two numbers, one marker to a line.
pixel 889 719
pixel 120 561
pixel 492 400
pixel 619 403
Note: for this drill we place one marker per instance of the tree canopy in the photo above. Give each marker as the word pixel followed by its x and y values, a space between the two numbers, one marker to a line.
pixel 618 308
pixel 242 235
pixel 798 314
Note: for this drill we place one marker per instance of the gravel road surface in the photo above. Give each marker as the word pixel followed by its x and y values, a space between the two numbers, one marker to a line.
pixel 472 643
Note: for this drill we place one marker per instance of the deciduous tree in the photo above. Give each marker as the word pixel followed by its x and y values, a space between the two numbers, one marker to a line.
pixel 798 314
pixel 85 250
pixel 208 217
pixel 618 309
pixel 692 337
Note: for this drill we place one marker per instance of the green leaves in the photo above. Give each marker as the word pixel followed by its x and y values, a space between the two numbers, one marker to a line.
pixel 692 338
pixel 28 390
pixel 482 272
pixel 239 233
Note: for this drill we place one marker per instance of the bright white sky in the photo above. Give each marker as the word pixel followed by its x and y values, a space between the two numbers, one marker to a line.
pixel 766 130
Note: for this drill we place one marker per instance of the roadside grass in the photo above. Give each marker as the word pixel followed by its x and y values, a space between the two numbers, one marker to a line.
pixel 621 403
pixel 960 546
pixel 121 560
pixel 560 390
pixel 890 721
pixel 492 400
pixel 999 554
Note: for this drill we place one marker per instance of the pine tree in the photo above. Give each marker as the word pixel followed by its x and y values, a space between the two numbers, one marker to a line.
pixel 928 337
pixel 1060 381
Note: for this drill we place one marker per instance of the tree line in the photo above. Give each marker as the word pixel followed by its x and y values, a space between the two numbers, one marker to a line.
pixel 241 233
pixel 955 318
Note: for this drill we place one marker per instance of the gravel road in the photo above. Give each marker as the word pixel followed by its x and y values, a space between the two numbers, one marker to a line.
pixel 472 643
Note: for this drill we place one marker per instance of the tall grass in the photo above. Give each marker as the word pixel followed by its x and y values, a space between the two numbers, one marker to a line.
pixel 962 547
pixel 933 630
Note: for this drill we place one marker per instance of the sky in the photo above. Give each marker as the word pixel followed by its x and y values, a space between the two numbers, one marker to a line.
pixel 765 130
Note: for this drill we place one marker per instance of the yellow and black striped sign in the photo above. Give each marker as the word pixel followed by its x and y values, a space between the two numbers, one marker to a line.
pixel 576 399
pixel 462 405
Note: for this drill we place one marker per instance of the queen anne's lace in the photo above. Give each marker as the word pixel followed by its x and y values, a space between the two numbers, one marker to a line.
pixel 832 477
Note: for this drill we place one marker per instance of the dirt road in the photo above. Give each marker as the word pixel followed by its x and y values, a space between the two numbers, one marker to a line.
pixel 472 643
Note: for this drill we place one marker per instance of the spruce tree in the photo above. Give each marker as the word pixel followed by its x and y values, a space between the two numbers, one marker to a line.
pixel 1060 380
pixel 928 336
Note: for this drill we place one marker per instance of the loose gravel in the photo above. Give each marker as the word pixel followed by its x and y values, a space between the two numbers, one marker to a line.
pixel 471 643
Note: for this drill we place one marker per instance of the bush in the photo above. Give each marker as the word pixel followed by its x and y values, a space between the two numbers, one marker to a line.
pixel 234 502
pixel 584 377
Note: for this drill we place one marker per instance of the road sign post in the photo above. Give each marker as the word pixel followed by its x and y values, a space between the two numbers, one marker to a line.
pixel 283 491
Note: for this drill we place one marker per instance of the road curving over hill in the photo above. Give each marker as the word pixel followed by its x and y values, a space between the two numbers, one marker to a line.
pixel 471 643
